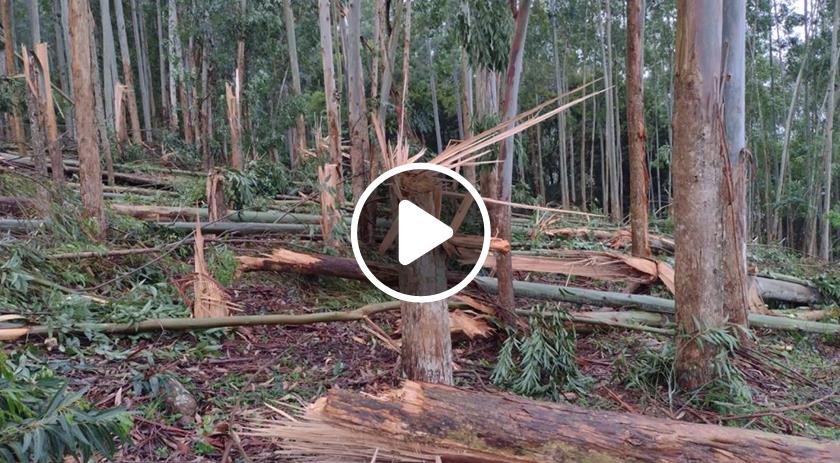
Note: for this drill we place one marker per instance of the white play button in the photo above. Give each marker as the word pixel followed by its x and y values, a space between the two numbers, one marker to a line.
pixel 419 232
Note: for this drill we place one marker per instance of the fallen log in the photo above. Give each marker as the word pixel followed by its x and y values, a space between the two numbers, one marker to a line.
pixel 17 225
pixel 787 291
pixel 645 303
pixel 159 213
pixel 72 167
pixel 305 263
pixel 428 423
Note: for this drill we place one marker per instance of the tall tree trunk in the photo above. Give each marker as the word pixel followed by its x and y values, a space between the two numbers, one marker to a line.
pixel 388 53
pixel 109 60
pixel 240 66
pixel 504 264
pixel 11 69
pixel 143 71
pixel 583 179
pixel 698 205
pixel 828 150
pixel 291 40
pixel 330 92
pixel 466 104
pixel 60 14
pixel 90 176
pixel 736 281
pixel 34 22
pixel 174 58
pixel 165 108
pixel 433 84
pixel 357 103
pixel 99 105
pixel 128 73
pixel 636 133
pixel 560 88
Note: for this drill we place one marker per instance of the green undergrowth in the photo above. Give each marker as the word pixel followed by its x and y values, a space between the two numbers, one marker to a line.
pixel 42 421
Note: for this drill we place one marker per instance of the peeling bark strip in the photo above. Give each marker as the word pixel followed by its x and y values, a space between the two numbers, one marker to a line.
pixel 419 423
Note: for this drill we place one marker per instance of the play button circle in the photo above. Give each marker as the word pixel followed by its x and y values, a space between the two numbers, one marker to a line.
pixel 420 232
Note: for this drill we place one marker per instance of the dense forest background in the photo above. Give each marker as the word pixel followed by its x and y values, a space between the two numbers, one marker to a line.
pixel 181 54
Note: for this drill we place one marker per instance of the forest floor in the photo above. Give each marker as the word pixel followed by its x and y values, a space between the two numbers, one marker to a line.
pixel 789 382
pixel 233 374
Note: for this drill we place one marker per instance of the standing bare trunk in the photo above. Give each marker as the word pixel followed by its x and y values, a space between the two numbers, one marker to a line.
pixel 426 349
pixel 388 53
pixel 698 204
pixel 467 106
pixel 561 118
pixel 612 200
pixel 60 14
pixel 636 133
pixel 358 121
pixel 143 68
pixel 737 281
pixel 11 69
pixel 232 96
pixel 174 65
pixel 34 22
pixel 828 150
pixel 240 65
pixel 165 108
pixel 99 104
pixel 291 40
pixel 504 264
pixel 90 176
pixel 330 92
pixel 109 60
pixel 128 73
pixel 433 85
pixel 583 179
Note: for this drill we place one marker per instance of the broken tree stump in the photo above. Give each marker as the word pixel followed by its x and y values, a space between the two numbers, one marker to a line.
pixel 428 422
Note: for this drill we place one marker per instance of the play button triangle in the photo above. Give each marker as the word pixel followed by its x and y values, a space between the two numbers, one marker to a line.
pixel 419 232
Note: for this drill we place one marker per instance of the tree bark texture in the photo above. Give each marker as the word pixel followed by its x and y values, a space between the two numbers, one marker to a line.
pixel 90 175
pixel 697 170
pixel 636 133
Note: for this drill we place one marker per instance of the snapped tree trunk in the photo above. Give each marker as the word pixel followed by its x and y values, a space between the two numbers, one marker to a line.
pixel 698 205
pixel 433 85
pixel 90 176
pixel 235 122
pixel 426 350
pixel 99 104
pixel 636 133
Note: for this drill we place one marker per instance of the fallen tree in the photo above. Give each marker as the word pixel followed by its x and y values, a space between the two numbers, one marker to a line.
pixel 72 166
pixel 645 303
pixel 18 225
pixel 616 239
pixel 428 423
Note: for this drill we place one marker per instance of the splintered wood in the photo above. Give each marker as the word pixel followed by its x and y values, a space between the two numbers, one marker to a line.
pixel 210 298
pixel 430 423
pixel 597 265
pixel 328 177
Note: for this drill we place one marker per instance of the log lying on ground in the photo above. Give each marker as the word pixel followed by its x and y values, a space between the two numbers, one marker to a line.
pixel 72 167
pixel 17 225
pixel 645 303
pixel 158 213
pixel 787 291
pixel 305 263
pixel 427 423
